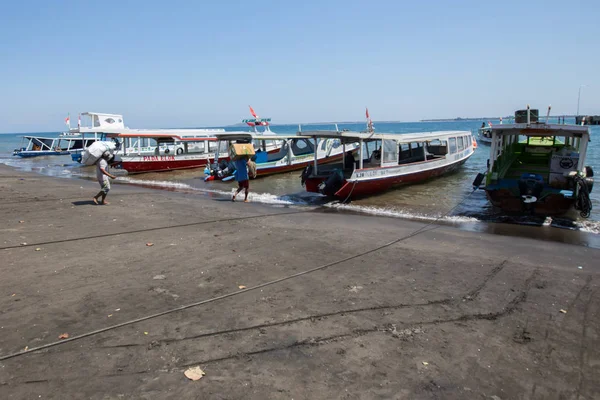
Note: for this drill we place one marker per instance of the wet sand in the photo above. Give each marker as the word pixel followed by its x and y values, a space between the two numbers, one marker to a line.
pixel 445 314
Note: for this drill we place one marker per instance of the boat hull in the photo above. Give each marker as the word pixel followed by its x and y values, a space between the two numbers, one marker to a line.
pixel 357 188
pixel 550 205
pixel 29 154
pixel 163 163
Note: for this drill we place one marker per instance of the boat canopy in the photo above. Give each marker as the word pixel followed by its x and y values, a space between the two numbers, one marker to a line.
pixel 255 136
pixel 180 134
pixel 540 129
pixel 353 137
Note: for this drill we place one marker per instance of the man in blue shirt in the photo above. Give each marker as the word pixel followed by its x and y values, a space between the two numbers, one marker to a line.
pixel 241 176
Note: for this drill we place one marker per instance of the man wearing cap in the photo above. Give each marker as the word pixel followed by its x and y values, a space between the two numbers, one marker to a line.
pixel 102 174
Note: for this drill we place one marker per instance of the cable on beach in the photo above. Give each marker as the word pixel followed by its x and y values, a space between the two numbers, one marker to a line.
pixel 232 294
pixel 103 235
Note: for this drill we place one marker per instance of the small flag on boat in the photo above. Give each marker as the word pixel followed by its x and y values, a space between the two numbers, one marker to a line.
pixel 79 121
pixel 490 124
pixel 367 113
pixel 67 120
pixel 252 112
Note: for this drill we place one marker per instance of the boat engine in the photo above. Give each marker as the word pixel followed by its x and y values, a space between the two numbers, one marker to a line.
pixel 306 173
pixel 589 178
pixel 478 180
pixel 530 187
pixel 583 188
pixel 331 185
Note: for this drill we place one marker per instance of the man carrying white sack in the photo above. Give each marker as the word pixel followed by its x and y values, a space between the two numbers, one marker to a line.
pixel 102 174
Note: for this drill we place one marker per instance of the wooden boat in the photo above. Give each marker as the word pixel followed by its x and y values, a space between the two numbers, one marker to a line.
pixel 64 144
pixel 386 161
pixel 158 151
pixel 538 168
pixel 292 153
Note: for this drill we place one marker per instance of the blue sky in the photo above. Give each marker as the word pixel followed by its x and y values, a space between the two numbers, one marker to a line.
pixel 201 63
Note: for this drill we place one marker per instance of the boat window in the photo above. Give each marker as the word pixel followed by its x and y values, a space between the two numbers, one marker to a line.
pixel 452 145
pixel 301 146
pixel 336 143
pixel 437 147
pixel 323 144
pixel 390 151
pixel 212 146
pixel 461 144
pixel 195 147
pixel 404 152
pixel 416 149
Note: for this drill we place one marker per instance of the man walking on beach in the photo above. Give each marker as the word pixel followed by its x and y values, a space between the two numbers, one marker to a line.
pixel 241 176
pixel 102 174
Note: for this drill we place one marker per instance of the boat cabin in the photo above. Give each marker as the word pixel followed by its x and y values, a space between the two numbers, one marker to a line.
pixel 546 150
pixel 538 168
pixel 161 144
pixel 384 160
pixel 389 150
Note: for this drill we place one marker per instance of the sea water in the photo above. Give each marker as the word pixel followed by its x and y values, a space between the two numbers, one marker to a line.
pixel 449 198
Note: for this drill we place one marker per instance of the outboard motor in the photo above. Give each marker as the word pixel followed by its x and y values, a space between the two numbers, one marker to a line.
pixel 306 173
pixel 589 178
pixel 478 180
pixel 530 187
pixel 331 185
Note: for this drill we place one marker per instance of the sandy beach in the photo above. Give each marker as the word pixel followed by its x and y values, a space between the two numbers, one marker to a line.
pixel 445 314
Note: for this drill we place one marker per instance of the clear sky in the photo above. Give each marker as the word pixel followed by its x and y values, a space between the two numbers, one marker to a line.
pixel 201 63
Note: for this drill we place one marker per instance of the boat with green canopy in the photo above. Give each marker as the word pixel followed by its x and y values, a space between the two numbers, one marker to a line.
pixel 538 168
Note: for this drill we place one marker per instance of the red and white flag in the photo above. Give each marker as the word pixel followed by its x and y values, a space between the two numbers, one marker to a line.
pixel 68 120
pixel 252 112
pixel 367 113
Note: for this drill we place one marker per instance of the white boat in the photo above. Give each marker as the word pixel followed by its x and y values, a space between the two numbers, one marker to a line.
pixel 277 154
pixel 484 134
pixel 145 142
pixel 65 143
pixel 158 151
pixel 385 161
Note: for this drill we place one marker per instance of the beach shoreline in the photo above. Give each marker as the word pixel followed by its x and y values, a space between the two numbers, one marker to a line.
pixel 447 313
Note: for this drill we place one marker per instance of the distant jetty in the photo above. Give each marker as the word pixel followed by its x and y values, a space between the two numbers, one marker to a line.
pixel 460 119
pixel 588 119
pixel 493 118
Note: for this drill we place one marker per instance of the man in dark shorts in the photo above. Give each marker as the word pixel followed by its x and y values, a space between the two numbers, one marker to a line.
pixel 241 176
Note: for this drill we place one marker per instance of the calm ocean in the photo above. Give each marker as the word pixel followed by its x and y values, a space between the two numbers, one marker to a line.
pixel 425 201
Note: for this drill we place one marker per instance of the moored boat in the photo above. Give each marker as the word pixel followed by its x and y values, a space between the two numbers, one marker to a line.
pixel 484 134
pixel 291 153
pixel 386 161
pixel 158 151
pixel 538 168
pixel 64 144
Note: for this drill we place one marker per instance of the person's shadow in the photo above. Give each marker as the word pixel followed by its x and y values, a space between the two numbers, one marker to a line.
pixel 84 203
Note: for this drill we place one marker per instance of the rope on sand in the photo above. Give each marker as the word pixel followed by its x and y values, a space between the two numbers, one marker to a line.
pixel 260 286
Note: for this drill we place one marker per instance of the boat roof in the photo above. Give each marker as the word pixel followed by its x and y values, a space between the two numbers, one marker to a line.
pixel 90 113
pixel 162 133
pixel 541 129
pixel 256 136
pixel 40 138
pixel 350 136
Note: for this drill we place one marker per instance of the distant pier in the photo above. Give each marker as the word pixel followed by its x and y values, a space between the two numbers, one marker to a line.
pixel 589 119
